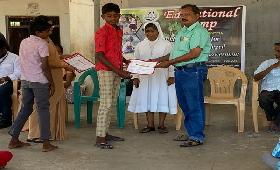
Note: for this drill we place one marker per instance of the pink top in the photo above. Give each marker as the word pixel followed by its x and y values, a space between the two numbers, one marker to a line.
pixel 31 50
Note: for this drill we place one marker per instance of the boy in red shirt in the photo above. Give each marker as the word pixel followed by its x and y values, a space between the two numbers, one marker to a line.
pixel 109 61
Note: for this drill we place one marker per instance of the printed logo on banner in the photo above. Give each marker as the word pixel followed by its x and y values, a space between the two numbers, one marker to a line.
pixel 151 16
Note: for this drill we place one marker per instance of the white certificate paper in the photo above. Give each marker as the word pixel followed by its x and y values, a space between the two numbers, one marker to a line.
pixel 141 67
pixel 79 62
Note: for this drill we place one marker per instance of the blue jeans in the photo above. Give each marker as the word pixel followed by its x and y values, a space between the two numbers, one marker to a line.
pixel 6 91
pixel 266 101
pixel 41 93
pixel 189 90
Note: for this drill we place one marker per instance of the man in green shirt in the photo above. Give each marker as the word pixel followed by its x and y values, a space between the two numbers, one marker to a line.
pixel 189 54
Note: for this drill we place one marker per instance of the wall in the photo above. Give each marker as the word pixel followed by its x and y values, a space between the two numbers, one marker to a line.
pixel 50 7
pixel 82 27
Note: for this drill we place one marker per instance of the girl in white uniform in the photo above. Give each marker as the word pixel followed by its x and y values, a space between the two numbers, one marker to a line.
pixel 155 92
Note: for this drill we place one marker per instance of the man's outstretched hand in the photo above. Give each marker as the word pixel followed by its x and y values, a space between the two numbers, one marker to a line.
pixel 163 64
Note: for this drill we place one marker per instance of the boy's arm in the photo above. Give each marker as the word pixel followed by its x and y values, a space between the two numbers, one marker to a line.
pixel 47 73
pixel 99 57
pixel 126 61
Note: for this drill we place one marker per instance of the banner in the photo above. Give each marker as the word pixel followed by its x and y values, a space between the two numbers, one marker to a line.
pixel 226 26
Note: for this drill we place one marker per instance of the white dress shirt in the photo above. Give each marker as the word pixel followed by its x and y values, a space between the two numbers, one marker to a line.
pixel 10 66
pixel 272 80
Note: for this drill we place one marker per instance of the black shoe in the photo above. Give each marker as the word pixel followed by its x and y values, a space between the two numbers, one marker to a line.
pixel 113 138
pixel 5 124
pixel 162 130
pixel 147 129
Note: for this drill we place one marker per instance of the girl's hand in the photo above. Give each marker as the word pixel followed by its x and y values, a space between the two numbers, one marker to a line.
pixel 170 81
pixel 136 82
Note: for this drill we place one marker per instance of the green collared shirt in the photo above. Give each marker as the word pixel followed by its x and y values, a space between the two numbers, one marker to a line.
pixel 189 38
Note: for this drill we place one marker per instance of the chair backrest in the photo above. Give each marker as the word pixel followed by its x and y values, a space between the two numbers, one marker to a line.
pixel 93 74
pixel 222 80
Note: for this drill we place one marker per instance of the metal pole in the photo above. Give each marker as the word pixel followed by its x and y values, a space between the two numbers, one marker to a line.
pixel 96 14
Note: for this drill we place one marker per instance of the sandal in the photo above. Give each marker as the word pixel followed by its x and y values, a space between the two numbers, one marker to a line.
pixel 35 140
pixel 31 140
pixel 191 143
pixel 181 137
pixel 113 138
pixel 104 145
pixel 162 130
pixel 147 129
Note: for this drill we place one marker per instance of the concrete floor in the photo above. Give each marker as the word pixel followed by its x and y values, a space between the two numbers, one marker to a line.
pixel 224 148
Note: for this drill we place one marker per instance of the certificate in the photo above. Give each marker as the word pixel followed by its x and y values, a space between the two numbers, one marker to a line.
pixel 79 62
pixel 141 67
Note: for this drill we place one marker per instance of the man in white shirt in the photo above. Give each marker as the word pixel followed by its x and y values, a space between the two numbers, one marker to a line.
pixel 9 71
pixel 269 74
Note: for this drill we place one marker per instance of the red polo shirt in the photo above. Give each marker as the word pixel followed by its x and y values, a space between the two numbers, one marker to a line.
pixel 108 40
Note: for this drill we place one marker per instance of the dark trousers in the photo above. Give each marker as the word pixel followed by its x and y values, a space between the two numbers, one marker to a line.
pixel 189 90
pixel 6 91
pixel 266 102
pixel 40 92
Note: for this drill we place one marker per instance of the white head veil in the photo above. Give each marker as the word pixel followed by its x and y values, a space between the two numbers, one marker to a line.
pixel 160 33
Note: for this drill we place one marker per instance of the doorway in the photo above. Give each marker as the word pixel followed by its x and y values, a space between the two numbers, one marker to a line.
pixel 18 29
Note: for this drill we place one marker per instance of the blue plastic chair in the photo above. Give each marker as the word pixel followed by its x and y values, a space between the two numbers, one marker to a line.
pixel 121 104
pixel 79 99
